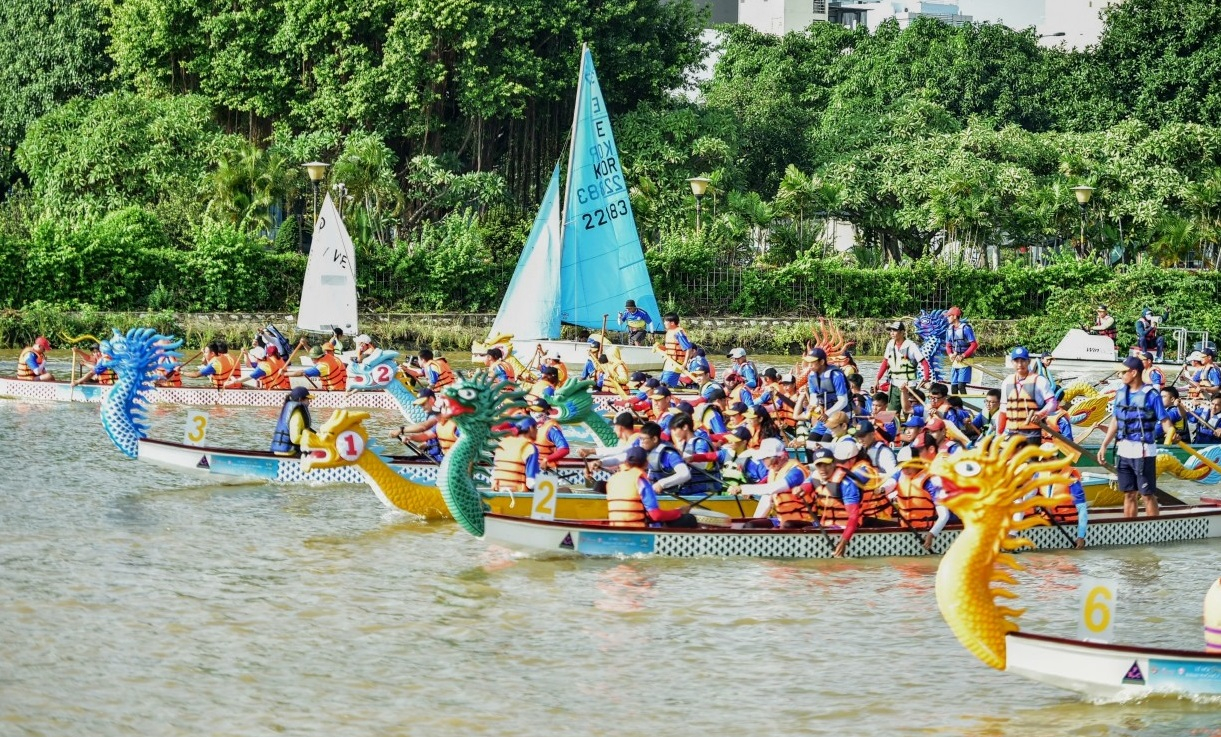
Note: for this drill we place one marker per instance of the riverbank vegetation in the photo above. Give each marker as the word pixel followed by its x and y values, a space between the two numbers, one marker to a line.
pixel 160 170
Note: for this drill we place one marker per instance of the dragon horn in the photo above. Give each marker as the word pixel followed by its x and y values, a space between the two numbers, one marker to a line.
pixel 74 341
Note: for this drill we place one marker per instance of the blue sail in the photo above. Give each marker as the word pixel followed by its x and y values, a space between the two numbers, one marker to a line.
pixel 531 306
pixel 603 263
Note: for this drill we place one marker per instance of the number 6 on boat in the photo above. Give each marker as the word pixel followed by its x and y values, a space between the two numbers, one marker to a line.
pixel 1097 609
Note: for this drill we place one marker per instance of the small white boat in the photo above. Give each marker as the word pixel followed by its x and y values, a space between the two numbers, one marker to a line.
pixel 1112 672
pixel 1082 351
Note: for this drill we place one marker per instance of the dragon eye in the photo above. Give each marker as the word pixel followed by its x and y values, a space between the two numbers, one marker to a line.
pixel 967 468
pixel 467 394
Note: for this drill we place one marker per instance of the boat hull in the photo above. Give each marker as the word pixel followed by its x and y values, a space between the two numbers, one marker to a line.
pixel 59 391
pixel 1081 352
pixel 246 465
pixel 574 538
pixel 1112 672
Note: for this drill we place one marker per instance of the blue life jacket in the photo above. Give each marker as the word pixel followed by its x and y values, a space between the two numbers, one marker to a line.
pixel 281 439
pixel 824 389
pixel 1137 420
pixel 956 338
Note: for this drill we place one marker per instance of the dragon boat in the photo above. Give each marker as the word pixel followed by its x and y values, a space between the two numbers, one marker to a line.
pixel 404 483
pixel 981 556
pixel 992 461
pixel 200 396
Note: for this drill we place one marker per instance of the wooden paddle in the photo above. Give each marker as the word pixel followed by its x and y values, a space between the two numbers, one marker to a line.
pixel 998 377
pixel 692 505
pixel 1162 496
pixel 1198 456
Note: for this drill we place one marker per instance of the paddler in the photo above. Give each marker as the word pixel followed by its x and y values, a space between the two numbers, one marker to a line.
pixel 827 385
pixel 638 323
pixel 782 490
pixel 218 365
pixel 515 464
pixel 552 360
pixel 427 431
pixel 1135 415
pixel 364 347
pixel 293 421
pixel 745 368
pixel 676 347
pixel 631 500
pixel 1151 374
pixel 100 369
pixel 327 368
pixel 960 344
pixel 900 359
pixel 31 364
pixel 432 369
pixel 1026 400
pixel 548 437
pixel 497 367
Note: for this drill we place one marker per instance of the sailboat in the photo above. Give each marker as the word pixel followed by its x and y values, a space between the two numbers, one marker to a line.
pixel 583 259
pixel 328 295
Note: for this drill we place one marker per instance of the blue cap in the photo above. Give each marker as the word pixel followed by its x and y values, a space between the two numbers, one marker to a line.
pixel 526 424
pixel 1019 352
pixel 914 421
pixel 636 455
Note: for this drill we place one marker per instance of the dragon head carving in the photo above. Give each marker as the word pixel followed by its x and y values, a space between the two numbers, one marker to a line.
pixel 573 401
pixel 986 487
pixel 339 442
pixel 374 372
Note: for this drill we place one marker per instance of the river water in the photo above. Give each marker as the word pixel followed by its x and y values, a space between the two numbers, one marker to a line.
pixel 138 601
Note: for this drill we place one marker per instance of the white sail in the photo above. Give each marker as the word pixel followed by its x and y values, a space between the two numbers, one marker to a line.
pixel 531 305
pixel 328 296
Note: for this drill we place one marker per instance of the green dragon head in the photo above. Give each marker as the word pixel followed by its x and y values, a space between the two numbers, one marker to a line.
pixel 475 404
pixel 573 401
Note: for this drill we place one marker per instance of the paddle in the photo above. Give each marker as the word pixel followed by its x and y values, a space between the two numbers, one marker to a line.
pixel 814 520
pixel 1162 496
pixel 908 525
pixel 693 505
pixel 1198 456
pixel 998 377
pixel 1047 515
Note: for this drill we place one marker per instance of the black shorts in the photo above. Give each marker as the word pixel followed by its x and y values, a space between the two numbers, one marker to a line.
pixel 1137 474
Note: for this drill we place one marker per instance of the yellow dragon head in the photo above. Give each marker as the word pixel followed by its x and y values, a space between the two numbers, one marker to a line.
pixel 986 487
pixel 339 442
pixel 1085 404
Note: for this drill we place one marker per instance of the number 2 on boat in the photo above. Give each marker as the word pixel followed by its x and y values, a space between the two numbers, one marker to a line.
pixel 545 487
pixel 1097 609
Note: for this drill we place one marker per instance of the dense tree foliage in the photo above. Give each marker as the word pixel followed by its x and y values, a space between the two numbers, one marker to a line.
pixel 176 127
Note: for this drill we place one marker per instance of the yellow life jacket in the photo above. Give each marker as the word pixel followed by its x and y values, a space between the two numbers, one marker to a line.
pixel 623 505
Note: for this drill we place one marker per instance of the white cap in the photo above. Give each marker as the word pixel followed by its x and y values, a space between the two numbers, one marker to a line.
pixel 1195 356
pixel 845 448
pixel 364 338
pixel 771 448
pixel 737 353
pixel 554 355
pixel 904 455
pixel 258 353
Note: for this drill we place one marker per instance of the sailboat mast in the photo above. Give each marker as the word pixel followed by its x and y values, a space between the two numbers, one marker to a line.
pixel 572 142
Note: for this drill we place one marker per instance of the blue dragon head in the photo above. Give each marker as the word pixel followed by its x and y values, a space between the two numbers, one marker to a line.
pixel 931 327
pixel 136 358
pixel 379 371
pixel 376 371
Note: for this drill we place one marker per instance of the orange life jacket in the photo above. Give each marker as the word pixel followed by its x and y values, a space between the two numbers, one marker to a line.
pixel 445 375
pixel 335 379
pixel 623 505
pixel 788 504
pixel 509 463
pixel 543 443
pixel 223 366
pixel 508 369
pixel 915 506
pixel 447 434
pixel 1020 403
pixel 1065 512
pixel 834 512
pixel 274 376
pixel 23 370
pixel 782 410
pixel 672 348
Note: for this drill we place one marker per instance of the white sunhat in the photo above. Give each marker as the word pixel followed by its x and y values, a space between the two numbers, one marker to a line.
pixel 771 448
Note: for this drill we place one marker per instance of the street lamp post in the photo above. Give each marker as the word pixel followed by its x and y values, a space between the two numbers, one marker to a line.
pixel 699 186
pixel 1057 34
pixel 1083 192
pixel 317 172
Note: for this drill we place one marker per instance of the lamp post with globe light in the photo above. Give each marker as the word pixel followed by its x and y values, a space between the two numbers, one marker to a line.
pixel 699 187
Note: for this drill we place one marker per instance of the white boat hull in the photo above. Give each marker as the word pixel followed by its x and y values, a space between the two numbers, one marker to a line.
pixel 571 538
pixel 1112 672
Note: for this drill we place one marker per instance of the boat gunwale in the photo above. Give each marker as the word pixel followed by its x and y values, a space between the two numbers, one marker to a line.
pixel 1119 648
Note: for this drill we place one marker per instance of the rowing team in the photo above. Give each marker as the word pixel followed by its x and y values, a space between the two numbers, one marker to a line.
pixel 262 365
